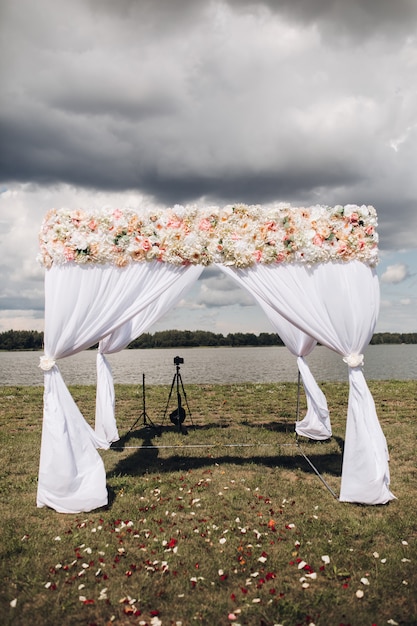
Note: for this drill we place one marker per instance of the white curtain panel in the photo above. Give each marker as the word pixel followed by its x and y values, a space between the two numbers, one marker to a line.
pixel 337 304
pixel 105 424
pixel 83 305
pixel 71 472
pixel 316 423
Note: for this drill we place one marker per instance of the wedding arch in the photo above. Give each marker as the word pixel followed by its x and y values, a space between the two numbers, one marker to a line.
pixel 110 274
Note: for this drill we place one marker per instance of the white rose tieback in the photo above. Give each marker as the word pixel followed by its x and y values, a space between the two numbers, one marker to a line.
pixel 354 360
pixel 46 363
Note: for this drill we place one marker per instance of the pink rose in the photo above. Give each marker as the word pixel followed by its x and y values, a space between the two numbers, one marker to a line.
pixel 117 214
pixel 318 240
pixel 205 224
pixel 354 218
pixel 69 254
pixel 146 245
pixel 257 255
pixel 174 223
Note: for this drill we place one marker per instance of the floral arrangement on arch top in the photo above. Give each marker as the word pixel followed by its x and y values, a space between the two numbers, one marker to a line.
pixel 239 235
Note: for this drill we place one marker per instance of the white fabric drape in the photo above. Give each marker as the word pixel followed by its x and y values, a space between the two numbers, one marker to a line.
pixel 337 304
pixel 316 422
pixel 83 305
pixel 105 424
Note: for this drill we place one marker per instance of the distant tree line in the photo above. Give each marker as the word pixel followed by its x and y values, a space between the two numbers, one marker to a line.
pixel 394 338
pixel 196 338
pixel 21 340
pixel 33 340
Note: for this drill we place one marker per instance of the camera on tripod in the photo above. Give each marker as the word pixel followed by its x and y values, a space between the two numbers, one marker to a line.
pixel 178 415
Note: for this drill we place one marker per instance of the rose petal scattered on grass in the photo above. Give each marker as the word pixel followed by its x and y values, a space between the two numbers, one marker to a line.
pixel 13 603
pixel 359 593
pixel 326 559
pixel 365 581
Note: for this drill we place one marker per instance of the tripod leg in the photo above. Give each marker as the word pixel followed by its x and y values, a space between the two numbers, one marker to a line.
pixel 147 422
pixel 169 398
pixel 132 427
pixel 185 398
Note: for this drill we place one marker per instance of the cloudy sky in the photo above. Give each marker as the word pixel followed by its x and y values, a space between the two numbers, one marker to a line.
pixel 157 102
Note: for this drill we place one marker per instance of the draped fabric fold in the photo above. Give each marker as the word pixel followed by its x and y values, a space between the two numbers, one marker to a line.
pixel 105 424
pixel 316 422
pixel 337 304
pixel 71 472
pixel 84 305
pixel 365 468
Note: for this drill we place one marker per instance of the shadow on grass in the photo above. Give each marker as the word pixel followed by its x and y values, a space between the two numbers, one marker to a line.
pixel 145 457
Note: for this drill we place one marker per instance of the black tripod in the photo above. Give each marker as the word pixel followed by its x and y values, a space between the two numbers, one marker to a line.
pixel 147 422
pixel 177 416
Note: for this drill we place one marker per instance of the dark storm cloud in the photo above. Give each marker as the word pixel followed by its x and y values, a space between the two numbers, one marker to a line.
pixel 354 19
pixel 300 100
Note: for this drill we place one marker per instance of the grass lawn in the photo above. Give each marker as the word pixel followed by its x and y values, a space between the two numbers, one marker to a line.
pixel 224 524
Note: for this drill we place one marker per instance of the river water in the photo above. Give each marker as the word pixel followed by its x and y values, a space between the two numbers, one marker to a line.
pixel 212 365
